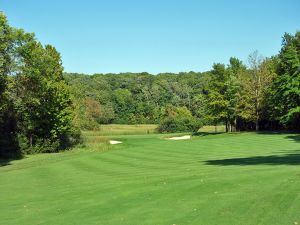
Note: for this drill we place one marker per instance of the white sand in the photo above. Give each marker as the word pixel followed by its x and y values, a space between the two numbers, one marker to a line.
pixel 112 142
pixel 186 137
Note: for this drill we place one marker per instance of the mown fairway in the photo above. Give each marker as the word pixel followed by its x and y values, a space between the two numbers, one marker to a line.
pixel 219 179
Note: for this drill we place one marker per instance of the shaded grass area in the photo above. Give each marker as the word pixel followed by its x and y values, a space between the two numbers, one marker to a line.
pixel 91 144
pixel 149 180
pixel 288 159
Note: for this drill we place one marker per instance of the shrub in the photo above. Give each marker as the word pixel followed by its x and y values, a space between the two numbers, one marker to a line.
pixel 48 145
pixel 39 145
pixel 179 120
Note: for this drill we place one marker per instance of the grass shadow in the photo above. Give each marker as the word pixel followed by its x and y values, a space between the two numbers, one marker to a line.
pixel 295 138
pixel 292 135
pixel 288 159
pixel 4 162
pixel 7 161
pixel 202 134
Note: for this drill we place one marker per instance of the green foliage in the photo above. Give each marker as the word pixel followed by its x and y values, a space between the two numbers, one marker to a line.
pixel 129 98
pixel 42 98
pixel 179 119
pixel 42 108
pixel 8 140
pixel 222 98
pixel 36 106
pixel 240 97
pixel 5 59
pixel 255 83
pixel 286 87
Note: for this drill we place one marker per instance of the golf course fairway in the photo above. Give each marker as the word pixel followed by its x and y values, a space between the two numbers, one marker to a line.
pixel 211 179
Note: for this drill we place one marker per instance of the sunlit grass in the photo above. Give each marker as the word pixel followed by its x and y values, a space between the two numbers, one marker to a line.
pixel 246 178
pixel 123 129
pixel 212 129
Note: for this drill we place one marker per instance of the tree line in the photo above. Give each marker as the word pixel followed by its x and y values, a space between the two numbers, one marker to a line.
pixel 42 109
pixel 260 94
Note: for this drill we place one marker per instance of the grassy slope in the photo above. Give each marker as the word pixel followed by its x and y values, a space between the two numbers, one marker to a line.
pixel 149 180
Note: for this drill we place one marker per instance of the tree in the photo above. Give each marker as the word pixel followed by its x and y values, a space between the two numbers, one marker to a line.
pixel 123 104
pixel 234 70
pixel 223 93
pixel 217 104
pixel 286 87
pixel 179 119
pixel 5 60
pixel 91 114
pixel 43 101
pixel 235 95
pixel 8 142
pixel 255 82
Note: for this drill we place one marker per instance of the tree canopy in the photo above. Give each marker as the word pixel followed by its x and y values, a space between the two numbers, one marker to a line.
pixel 36 105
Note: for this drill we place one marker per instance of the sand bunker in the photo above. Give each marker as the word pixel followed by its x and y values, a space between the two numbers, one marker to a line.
pixel 186 137
pixel 112 142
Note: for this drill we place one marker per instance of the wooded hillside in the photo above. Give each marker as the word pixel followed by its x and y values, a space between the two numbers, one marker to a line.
pixel 259 94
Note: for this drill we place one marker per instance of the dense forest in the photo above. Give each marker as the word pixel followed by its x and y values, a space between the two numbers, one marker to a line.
pixel 260 94
pixel 42 108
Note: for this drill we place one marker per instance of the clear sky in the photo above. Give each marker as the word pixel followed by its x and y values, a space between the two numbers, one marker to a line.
pixel 154 35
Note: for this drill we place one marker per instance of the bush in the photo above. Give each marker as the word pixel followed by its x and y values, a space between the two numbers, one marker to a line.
pixel 172 125
pixel 179 120
pixel 39 145
pixel 47 145
pixel 70 139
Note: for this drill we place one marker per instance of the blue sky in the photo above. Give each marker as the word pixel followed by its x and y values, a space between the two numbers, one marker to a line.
pixel 154 35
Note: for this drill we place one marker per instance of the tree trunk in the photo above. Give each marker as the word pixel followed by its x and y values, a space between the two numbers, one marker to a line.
pixel 256 125
pixel 235 124
pixel 226 127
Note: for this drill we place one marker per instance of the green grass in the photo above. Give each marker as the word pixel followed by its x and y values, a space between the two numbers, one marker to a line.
pixel 123 129
pixel 214 179
pixel 212 129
